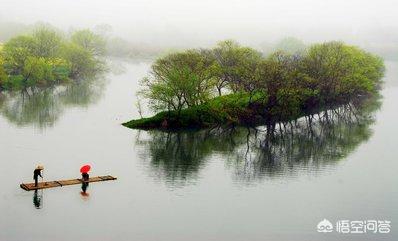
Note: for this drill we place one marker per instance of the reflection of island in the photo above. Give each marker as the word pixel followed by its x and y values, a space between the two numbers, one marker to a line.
pixel 311 143
pixel 42 107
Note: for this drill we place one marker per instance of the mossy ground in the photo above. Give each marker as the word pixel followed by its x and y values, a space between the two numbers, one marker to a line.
pixel 222 110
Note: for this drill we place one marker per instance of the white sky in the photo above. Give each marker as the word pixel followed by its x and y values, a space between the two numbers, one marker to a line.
pixel 206 21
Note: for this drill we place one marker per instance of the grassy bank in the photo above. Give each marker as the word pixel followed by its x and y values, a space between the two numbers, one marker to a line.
pixel 240 110
pixel 222 110
pixel 233 109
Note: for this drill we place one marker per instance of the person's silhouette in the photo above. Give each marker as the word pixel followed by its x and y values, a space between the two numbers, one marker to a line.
pixel 37 173
pixel 84 186
pixel 37 198
pixel 84 192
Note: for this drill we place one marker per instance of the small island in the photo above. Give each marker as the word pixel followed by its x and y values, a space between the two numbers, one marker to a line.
pixel 235 85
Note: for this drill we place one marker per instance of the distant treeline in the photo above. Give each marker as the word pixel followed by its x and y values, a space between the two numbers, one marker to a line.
pixel 135 47
pixel 231 83
pixel 115 45
pixel 119 47
pixel 388 49
pixel 46 56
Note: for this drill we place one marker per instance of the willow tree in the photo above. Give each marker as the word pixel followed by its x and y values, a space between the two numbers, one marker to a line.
pixel 342 71
pixel 278 81
pixel 82 63
pixel 235 65
pixel 47 42
pixel 179 80
pixel 91 42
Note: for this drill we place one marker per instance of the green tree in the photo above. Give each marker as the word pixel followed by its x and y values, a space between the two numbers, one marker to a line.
pixel 15 52
pixel 37 71
pixel 235 65
pixel 341 70
pixel 274 74
pixel 179 80
pixel 47 42
pixel 82 62
pixel 285 86
pixel 89 41
pixel 45 57
pixel 3 74
pixel 61 68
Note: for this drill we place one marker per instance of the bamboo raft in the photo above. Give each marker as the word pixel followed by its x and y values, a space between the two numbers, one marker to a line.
pixel 50 184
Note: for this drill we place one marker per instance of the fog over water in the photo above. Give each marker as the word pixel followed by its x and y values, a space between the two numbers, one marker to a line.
pixel 234 184
pixel 186 23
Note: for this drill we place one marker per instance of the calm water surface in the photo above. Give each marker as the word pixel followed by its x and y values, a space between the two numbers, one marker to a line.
pixel 208 185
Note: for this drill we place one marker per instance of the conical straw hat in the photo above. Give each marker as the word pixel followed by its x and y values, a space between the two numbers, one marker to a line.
pixel 40 167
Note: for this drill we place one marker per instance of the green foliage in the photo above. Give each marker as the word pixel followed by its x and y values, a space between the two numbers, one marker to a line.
pixel 15 53
pixel 179 80
pixel 14 82
pixel 283 86
pixel 286 87
pixel 342 71
pixel 37 71
pixel 3 74
pixel 80 60
pixel 226 109
pixel 61 68
pixel 45 57
pixel 91 42
pixel 234 66
pixel 47 42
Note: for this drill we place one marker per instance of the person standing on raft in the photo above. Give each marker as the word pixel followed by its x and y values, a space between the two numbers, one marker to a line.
pixel 85 176
pixel 37 173
pixel 84 171
pixel 85 179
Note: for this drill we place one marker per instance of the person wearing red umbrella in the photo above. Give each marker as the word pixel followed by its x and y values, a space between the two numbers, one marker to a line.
pixel 85 178
pixel 84 170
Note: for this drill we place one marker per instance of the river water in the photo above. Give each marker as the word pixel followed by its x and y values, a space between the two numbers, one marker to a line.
pixel 209 185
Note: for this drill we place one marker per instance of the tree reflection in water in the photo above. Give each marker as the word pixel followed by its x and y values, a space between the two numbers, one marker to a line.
pixel 42 107
pixel 313 143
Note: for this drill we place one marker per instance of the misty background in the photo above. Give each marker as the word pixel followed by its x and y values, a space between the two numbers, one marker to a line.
pixel 156 25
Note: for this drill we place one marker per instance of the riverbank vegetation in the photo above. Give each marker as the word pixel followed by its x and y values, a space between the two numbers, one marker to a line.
pixel 233 84
pixel 47 56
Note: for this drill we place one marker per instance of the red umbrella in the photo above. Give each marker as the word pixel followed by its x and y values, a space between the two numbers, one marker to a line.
pixel 85 168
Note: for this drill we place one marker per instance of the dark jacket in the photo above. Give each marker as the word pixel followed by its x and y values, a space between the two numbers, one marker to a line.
pixel 36 173
pixel 85 176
